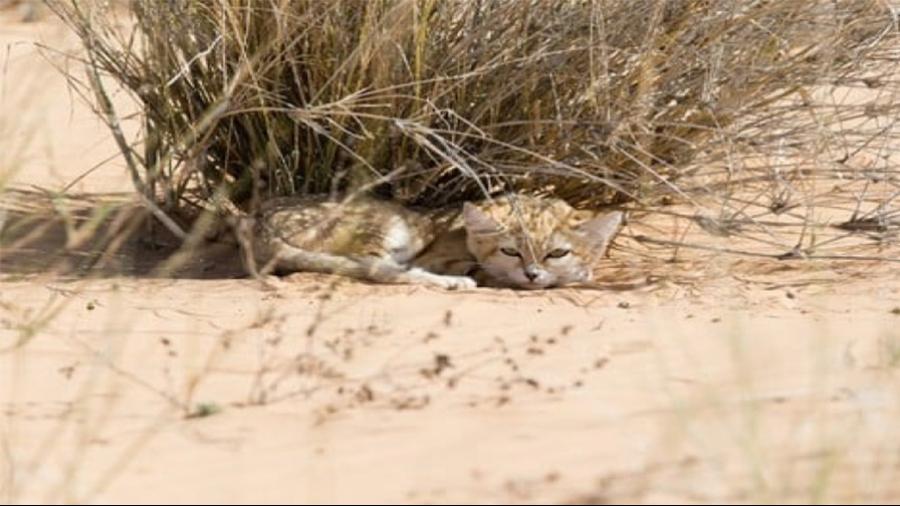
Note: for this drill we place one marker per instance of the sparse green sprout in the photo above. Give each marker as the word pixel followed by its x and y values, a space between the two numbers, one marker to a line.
pixel 204 410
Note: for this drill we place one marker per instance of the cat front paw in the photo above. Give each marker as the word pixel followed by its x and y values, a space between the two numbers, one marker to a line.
pixel 270 282
pixel 459 283
pixel 417 275
pixel 456 283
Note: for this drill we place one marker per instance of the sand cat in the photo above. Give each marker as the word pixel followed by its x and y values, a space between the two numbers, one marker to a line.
pixel 517 241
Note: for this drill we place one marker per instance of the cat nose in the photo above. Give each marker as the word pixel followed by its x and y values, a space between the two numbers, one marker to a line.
pixel 531 273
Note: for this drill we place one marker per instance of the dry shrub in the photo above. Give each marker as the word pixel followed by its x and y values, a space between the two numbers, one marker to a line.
pixel 433 102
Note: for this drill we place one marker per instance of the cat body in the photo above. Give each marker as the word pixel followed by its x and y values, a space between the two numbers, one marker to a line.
pixel 516 241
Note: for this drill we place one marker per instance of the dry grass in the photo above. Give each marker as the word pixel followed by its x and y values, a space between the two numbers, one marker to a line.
pixel 768 121
pixel 435 102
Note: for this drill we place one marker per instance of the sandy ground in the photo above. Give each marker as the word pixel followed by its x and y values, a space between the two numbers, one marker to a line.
pixel 710 379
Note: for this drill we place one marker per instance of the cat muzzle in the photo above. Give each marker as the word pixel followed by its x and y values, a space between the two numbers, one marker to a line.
pixel 533 272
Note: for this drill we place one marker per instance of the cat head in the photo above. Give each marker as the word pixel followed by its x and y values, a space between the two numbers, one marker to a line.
pixel 533 243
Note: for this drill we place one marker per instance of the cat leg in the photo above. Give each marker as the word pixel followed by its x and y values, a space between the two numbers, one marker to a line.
pixel 416 275
pixel 244 233
pixel 380 270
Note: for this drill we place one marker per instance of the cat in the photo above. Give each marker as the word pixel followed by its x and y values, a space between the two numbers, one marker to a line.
pixel 516 241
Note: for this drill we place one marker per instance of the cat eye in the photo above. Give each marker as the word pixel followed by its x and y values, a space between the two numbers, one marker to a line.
pixel 510 252
pixel 558 253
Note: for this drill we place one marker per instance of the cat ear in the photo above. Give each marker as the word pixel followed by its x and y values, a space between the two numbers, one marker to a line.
pixel 477 222
pixel 599 231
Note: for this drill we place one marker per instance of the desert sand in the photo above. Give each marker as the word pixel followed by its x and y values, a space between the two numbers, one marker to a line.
pixel 715 378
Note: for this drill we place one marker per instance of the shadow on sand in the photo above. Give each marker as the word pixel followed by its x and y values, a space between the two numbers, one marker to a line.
pixel 101 236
